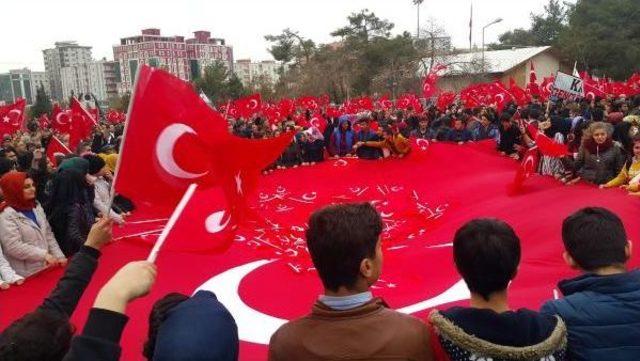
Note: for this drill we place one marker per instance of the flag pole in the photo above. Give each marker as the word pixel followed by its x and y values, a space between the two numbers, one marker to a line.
pixel 112 191
pixel 172 221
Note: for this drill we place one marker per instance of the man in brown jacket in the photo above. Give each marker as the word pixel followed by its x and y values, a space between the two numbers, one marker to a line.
pixel 347 322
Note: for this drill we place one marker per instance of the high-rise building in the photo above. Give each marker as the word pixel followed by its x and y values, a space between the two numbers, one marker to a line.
pixel 65 54
pixel 21 83
pixel 97 77
pixel 185 59
pixel 249 71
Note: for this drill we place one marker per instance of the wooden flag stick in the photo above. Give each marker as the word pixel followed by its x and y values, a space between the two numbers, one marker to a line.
pixel 172 221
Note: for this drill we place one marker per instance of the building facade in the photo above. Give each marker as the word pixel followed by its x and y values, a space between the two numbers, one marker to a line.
pixel 99 78
pixel 249 71
pixel 21 83
pixel 185 59
pixel 64 54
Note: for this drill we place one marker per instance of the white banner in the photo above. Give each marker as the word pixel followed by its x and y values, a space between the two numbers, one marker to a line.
pixel 566 86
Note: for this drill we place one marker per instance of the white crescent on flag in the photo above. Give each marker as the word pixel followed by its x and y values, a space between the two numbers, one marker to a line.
pixel 257 327
pixel 164 150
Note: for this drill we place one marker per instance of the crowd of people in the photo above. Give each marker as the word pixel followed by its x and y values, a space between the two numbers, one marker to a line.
pixel 59 212
pixel 602 135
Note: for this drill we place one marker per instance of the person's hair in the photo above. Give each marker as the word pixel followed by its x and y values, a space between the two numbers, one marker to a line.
pixel 486 253
pixel 534 114
pixel 158 315
pixel 594 237
pixel 339 238
pixel 593 127
pixel 39 335
pixel 505 117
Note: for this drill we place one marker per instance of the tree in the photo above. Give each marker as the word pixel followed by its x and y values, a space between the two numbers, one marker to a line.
pixel 289 46
pixel 234 88
pixel 42 104
pixel 363 26
pixel 545 29
pixel 121 103
pixel 604 37
pixel 213 82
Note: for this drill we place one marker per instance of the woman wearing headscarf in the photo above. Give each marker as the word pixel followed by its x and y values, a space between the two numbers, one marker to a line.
pixel 342 139
pixel 312 146
pixel 27 239
pixel 70 207
pixel 102 189
pixel 599 159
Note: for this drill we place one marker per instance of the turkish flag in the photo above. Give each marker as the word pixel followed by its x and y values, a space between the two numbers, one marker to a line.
pixel 115 117
pixel 206 225
pixel 445 100
pixel 318 121
pixel 384 102
pixel 78 110
pixel 43 121
pixel 545 144
pixel 55 146
pixel 249 105
pixel 12 117
pixel 60 119
pixel 528 166
pixel 533 87
pixel 173 138
pixel 308 103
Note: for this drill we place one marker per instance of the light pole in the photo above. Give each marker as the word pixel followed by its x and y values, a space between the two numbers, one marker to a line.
pixel 484 27
pixel 417 3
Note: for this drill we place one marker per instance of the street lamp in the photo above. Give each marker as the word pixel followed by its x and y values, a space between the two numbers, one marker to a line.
pixel 484 27
pixel 417 3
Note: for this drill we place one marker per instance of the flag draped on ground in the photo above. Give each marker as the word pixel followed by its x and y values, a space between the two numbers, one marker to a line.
pixel 264 279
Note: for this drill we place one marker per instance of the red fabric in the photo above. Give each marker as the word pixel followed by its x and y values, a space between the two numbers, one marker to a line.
pixel 12 117
pixel 318 121
pixel 417 256
pixel 60 119
pixel 384 102
pixel 187 142
pixel 545 144
pixel 445 100
pixel 430 82
pixel 532 86
pixel 249 105
pixel 528 167
pixel 43 121
pixel 56 146
pixel 12 185
pixel 78 110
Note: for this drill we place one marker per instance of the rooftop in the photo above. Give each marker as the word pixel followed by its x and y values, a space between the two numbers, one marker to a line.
pixel 496 61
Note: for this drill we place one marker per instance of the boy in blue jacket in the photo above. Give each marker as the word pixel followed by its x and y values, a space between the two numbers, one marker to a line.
pixel 601 308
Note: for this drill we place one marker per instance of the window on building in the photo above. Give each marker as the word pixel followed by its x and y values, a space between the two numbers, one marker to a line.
pixel 154 62
pixel 133 68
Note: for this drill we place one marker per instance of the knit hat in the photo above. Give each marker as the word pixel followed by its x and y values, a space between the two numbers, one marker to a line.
pixel 12 185
pixel 77 163
pixel 199 328
pixel 95 163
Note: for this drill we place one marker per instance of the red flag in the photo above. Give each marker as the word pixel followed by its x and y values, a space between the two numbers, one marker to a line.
pixel 12 117
pixel 60 119
pixel 78 109
pixel 384 102
pixel 429 85
pixel 532 75
pixel 248 105
pixel 206 224
pixel 307 103
pixel 43 121
pixel 54 147
pixel 286 106
pixel 532 86
pixel 115 117
pixel 519 95
pixel 546 145
pixel 318 121
pixel 445 100
pixel 528 166
pixel 175 139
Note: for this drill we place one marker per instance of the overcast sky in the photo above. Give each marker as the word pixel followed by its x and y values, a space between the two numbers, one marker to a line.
pixel 28 26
